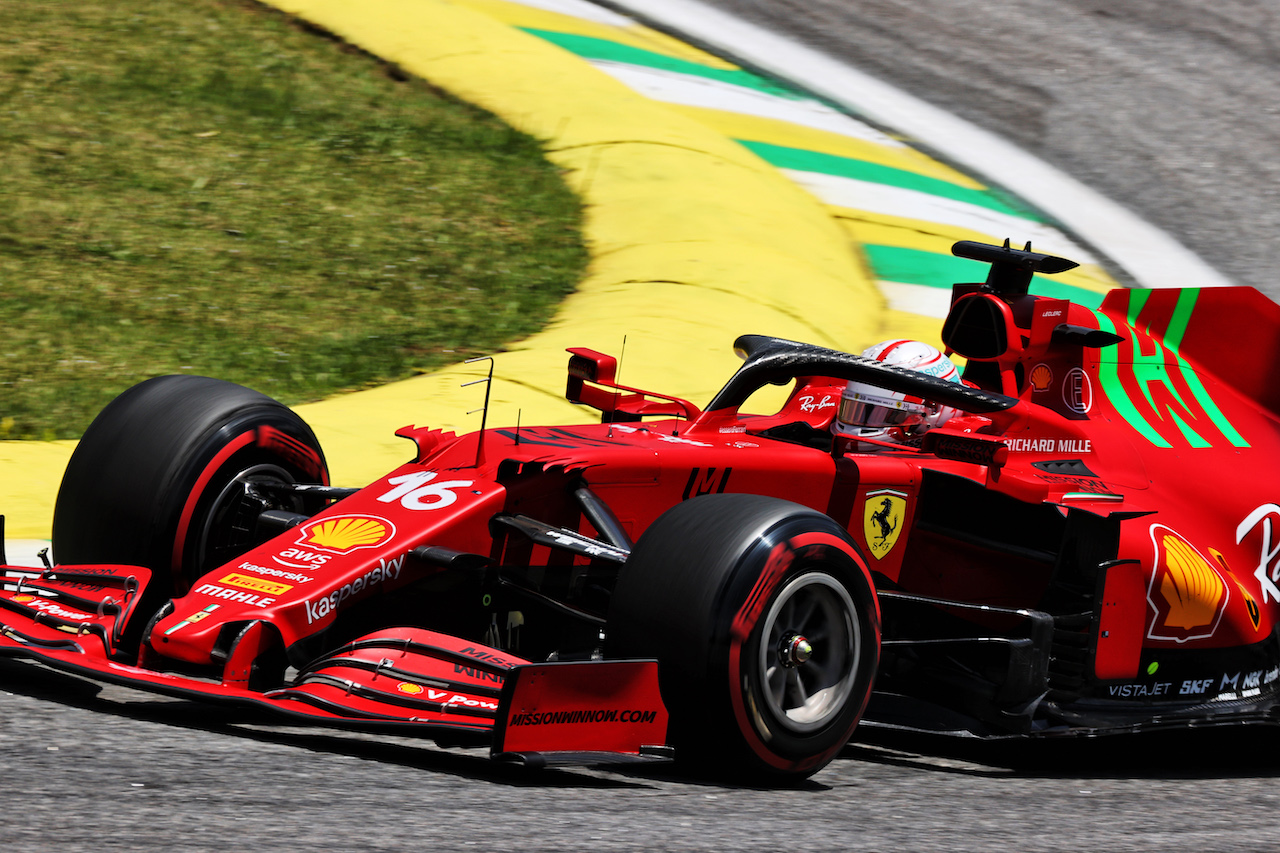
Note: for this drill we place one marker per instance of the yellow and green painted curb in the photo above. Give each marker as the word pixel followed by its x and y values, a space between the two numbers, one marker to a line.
pixel 716 203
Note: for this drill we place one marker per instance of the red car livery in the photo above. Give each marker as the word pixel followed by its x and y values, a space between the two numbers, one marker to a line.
pixel 1092 545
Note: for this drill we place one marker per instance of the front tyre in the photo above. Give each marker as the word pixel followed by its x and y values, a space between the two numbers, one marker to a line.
pixel 764 621
pixel 172 475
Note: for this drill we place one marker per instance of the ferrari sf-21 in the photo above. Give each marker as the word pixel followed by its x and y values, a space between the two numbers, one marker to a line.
pixel 1078 535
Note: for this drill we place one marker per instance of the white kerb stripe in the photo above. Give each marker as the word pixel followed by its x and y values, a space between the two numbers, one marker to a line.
pixel 917 298
pixel 690 90
pixel 581 9
pixel 25 552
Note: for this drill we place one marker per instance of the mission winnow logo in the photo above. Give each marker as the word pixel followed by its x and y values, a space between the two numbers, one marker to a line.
pixel 601 715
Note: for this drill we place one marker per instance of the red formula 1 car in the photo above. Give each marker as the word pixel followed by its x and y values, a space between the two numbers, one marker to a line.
pixel 1091 547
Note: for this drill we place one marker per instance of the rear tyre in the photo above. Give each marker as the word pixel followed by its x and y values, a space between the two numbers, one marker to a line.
pixel 158 480
pixel 764 621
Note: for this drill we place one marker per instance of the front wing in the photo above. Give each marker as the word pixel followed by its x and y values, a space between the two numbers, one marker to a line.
pixel 407 679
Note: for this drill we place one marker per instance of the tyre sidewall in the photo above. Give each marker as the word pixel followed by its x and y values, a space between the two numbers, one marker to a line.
pixel 704 565
pixel 266 435
pixel 159 454
pixel 802 544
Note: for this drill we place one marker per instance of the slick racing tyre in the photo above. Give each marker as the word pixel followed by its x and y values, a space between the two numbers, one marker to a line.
pixel 158 480
pixel 765 624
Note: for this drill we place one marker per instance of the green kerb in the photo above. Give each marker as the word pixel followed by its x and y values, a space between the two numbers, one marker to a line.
pixel 611 51
pixel 861 170
pixel 916 266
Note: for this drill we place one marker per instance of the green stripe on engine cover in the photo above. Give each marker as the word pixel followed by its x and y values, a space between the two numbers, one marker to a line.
pixel 1154 368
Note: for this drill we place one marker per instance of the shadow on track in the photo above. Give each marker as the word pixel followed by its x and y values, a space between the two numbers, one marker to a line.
pixel 37 682
pixel 1208 753
pixel 1220 753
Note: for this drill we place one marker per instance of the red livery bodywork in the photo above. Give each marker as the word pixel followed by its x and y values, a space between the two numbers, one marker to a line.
pixel 1089 547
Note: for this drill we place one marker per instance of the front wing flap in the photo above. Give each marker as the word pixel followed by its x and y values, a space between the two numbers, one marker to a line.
pixel 81 607
pixel 598 708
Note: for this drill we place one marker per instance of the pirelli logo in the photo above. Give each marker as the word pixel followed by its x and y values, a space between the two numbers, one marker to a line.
pixel 556 718
pixel 256 584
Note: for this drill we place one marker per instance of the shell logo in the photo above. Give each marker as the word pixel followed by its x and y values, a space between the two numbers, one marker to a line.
pixel 1186 591
pixel 23 598
pixel 409 687
pixel 1250 604
pixel 342 534
pixel 1041 377
pixel 1192 588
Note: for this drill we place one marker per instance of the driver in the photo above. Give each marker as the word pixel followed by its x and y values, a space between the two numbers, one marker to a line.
pixel 891 417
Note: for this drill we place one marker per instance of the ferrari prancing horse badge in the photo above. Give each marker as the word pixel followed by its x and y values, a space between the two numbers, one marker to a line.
pixel 882 517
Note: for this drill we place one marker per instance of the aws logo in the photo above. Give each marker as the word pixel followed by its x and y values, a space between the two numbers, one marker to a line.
pixel 319 540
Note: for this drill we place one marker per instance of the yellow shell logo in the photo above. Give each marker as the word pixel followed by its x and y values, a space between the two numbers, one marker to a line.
pixel 345 533
pixel 1192 588
pixel 1187 592
pixel 1250 604
pixel 1041 377
pixel 1255 615
pixel 410 688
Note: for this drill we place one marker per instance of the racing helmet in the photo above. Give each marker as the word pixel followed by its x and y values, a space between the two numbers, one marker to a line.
pixel 867 411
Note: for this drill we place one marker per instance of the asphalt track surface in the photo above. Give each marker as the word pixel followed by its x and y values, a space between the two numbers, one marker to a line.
pixel 88 767
pixel 1169 111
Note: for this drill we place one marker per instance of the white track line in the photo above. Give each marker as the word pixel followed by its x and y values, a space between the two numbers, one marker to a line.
pixel 917 298
pixel 25 552
pixel 583 9
pixel 672 87
pixel 1152 257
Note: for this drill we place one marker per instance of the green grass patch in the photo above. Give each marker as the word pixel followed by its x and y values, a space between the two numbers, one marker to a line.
pixel 195 186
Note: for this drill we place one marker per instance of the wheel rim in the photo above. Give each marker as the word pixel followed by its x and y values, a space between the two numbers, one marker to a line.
pixel 229 527
pixel 810 645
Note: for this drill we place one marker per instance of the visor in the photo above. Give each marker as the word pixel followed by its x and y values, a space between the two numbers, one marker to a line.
pixel 869 410
pixel 856 413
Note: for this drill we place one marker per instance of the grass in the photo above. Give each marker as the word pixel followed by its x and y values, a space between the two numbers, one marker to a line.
pixel 200 186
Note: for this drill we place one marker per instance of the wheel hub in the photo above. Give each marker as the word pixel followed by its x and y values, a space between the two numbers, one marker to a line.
pixel 809 652
pixel 794 650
